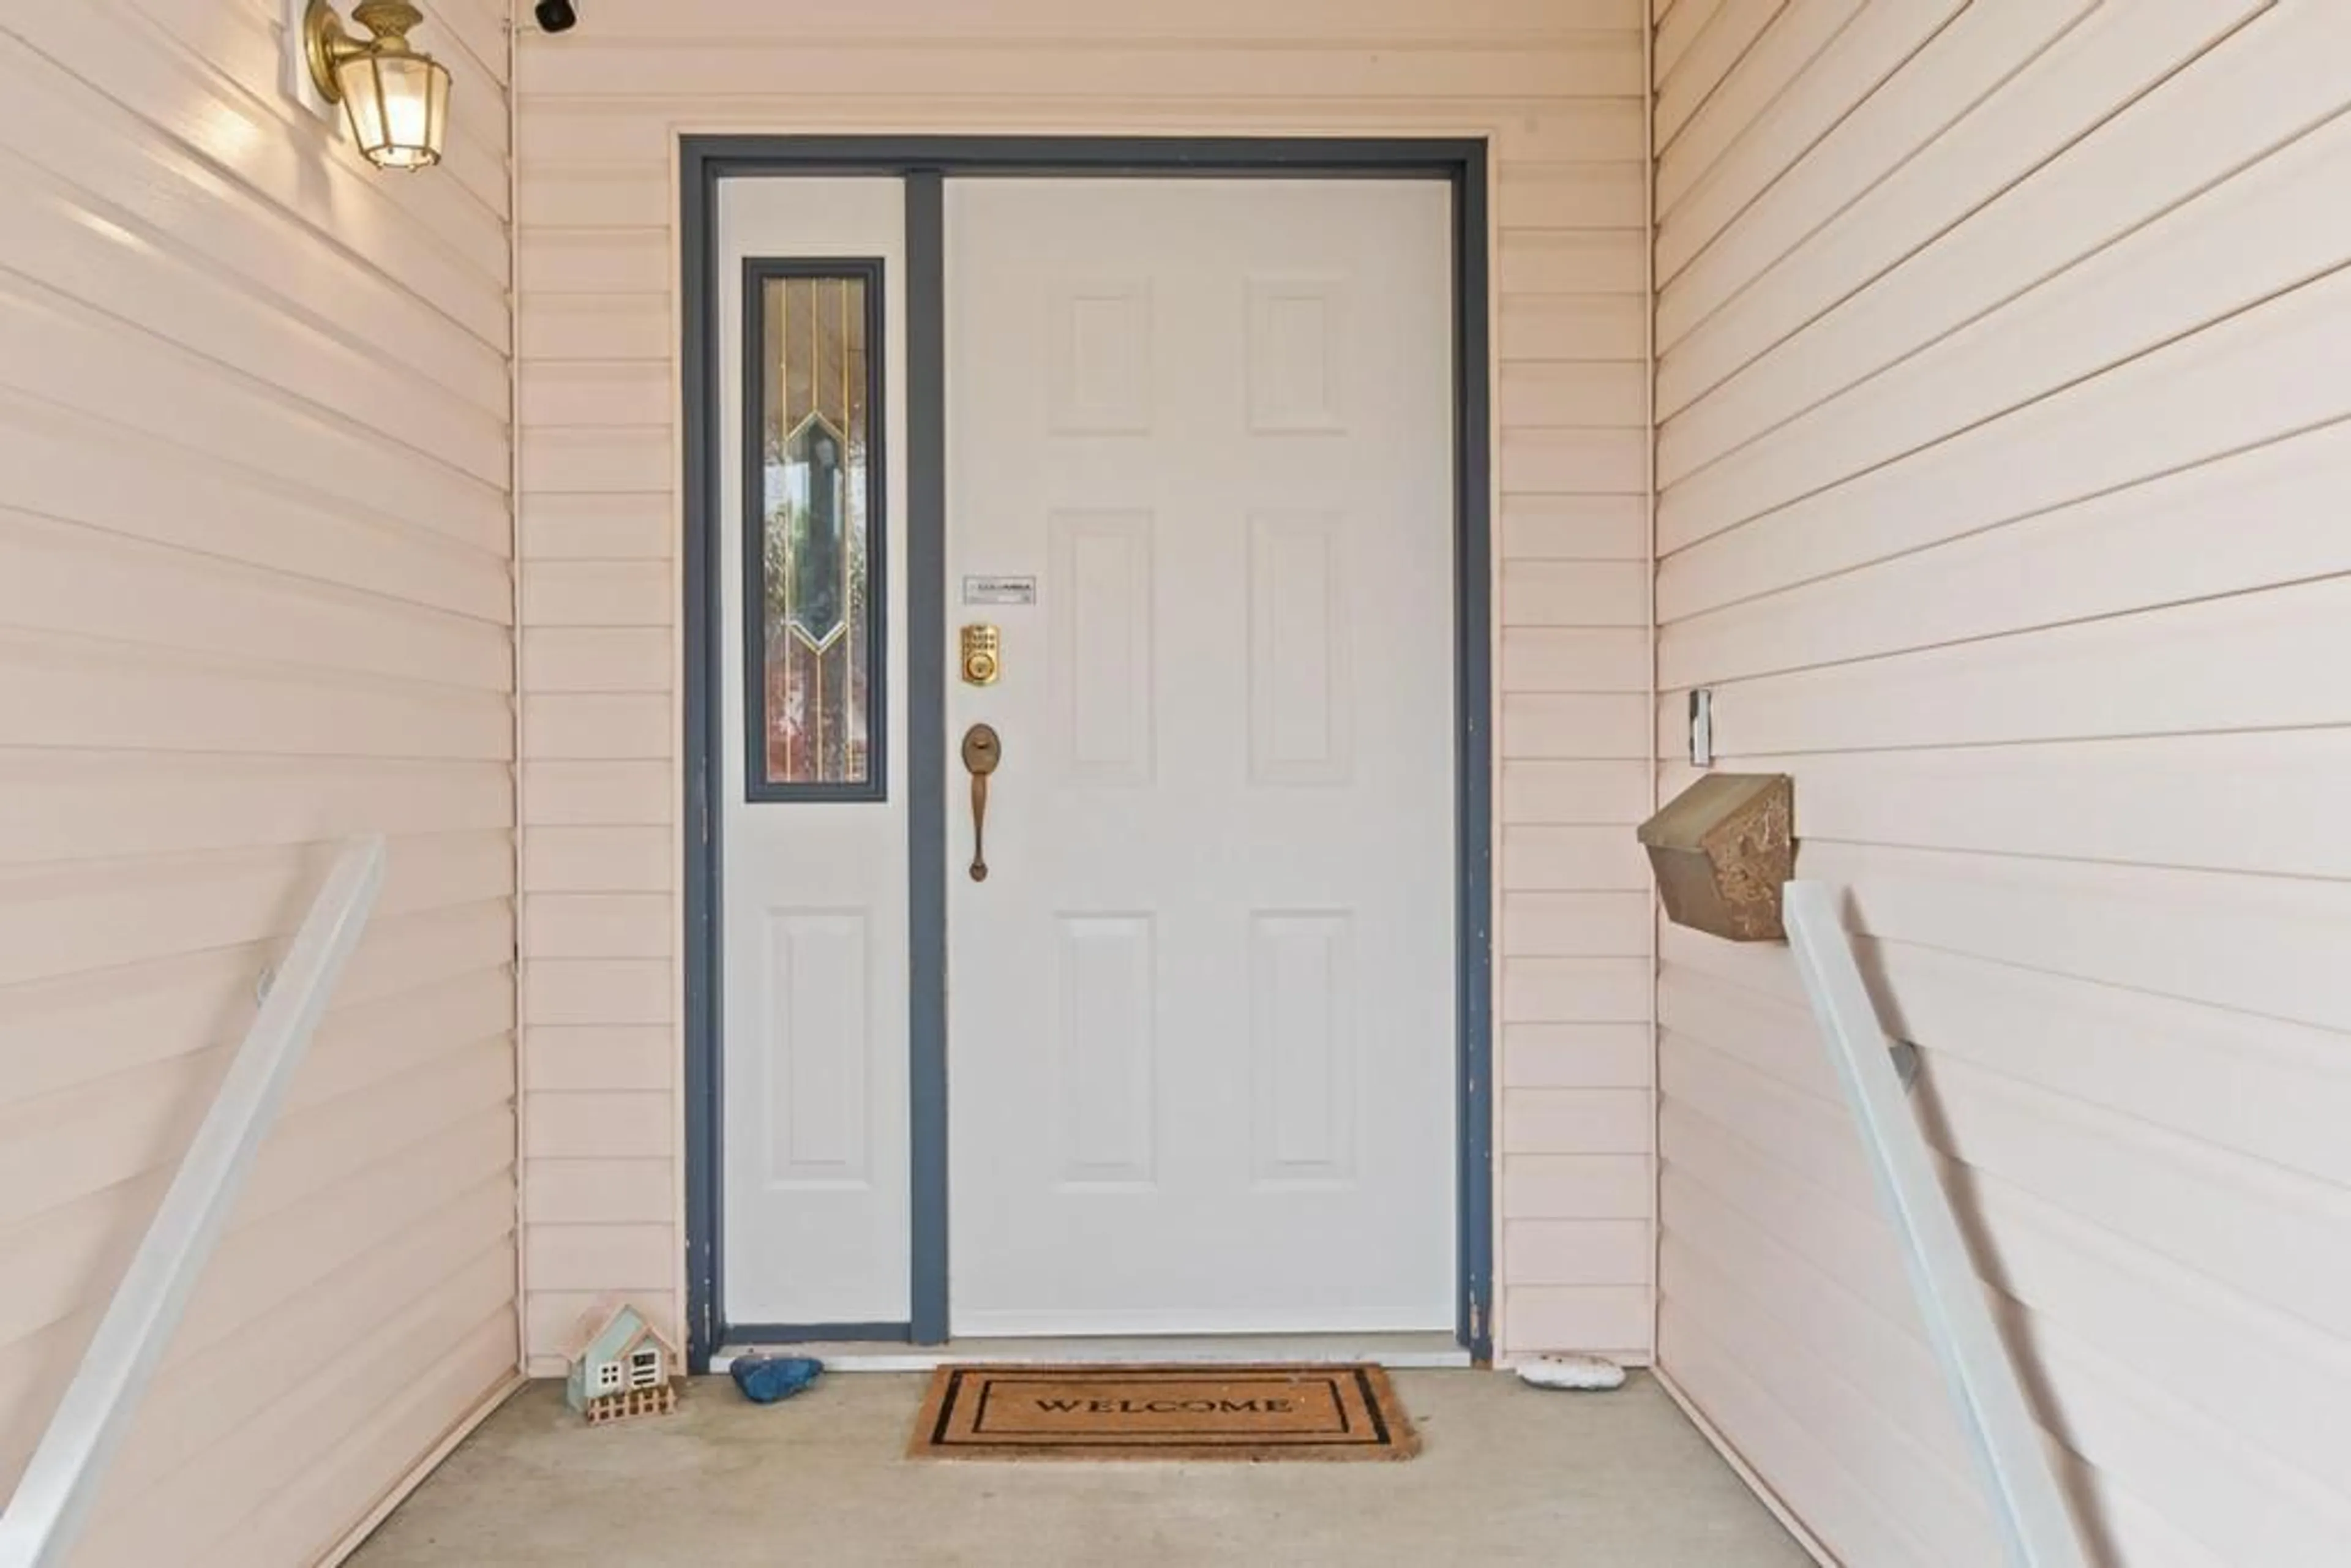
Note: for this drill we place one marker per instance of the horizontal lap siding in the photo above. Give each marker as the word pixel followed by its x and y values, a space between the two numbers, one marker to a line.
pixel 255 597
pixel 1557 86
pixel 2004 460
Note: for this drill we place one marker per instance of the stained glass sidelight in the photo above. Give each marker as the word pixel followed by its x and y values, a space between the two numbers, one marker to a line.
pixel 814 575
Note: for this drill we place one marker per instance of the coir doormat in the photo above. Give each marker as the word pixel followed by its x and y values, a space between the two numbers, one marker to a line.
pixel 1255 1412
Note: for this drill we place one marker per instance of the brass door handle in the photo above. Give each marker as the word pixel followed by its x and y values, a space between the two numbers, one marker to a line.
pixel 981 752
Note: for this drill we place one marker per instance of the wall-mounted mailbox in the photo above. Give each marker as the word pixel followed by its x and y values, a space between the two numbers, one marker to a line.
pixel 1721 848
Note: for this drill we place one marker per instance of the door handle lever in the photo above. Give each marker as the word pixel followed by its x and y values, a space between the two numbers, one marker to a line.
pixel 981 752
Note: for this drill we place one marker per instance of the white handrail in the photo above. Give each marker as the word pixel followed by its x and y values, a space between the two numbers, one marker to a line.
pixel 53 1498
pixel 2036 1527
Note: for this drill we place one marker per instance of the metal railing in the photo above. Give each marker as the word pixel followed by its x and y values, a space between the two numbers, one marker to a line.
pixel 2028 1503
pixel 53 1498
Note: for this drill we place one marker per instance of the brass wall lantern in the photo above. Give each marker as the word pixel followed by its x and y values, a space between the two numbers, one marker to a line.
pixel 397 99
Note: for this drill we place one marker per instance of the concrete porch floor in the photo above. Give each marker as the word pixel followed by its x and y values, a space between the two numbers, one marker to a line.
pixel 1509 1475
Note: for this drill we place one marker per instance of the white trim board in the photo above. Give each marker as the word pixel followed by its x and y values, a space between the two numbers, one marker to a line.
pixel 1764 1491
pixel 422 1470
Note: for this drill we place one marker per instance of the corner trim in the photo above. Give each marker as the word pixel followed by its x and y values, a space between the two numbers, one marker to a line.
pixel 1771 1501
pixel 418 1473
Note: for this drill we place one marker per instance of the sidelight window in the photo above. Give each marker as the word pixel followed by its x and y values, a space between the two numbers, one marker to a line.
pixel 813 531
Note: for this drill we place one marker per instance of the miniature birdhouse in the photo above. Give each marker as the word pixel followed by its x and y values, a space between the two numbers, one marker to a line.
pixel 622 1367
pixel 1721 848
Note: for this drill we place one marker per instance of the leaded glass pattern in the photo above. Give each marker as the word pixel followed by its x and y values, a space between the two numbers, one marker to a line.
pixel 813 576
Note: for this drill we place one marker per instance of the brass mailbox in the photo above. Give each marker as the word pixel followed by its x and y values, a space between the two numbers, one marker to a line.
pixel 1721 848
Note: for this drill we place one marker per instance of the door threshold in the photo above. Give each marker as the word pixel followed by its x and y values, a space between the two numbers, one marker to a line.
pixel 1403 1352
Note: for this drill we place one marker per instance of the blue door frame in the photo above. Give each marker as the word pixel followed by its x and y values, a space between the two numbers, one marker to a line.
pixel 924 164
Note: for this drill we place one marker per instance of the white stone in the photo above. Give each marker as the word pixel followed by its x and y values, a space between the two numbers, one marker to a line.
pixel 1572 1372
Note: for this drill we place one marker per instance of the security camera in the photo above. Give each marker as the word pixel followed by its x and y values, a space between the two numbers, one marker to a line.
pixel 556 16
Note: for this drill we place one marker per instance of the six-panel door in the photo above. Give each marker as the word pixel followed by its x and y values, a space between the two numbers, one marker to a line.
pixel 1201 1010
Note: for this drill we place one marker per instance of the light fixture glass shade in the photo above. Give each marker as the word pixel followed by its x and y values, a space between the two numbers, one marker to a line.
pixel 399 106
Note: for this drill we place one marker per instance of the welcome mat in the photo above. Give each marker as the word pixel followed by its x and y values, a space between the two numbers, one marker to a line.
pixel 1255 1412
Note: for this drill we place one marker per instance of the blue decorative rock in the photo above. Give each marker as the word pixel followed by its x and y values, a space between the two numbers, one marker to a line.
pixel 764 1379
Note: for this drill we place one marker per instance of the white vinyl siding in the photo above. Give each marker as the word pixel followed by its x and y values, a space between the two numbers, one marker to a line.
pixel 1557 86
pixel 254 597
pixel 2002 379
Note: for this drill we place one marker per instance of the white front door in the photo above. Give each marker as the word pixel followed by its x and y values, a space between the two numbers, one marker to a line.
pixel 1201 1007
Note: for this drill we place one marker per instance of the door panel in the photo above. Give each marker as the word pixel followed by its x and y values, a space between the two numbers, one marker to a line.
pixel 1201 1010
pixel 814 911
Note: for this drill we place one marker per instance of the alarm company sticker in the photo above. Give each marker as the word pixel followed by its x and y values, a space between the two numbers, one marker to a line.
pixel 999 590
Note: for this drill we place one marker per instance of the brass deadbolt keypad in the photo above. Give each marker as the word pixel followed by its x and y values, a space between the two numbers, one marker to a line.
pixel 983 655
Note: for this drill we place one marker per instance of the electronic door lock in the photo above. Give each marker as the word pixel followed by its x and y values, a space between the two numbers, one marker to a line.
pixel 982 655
